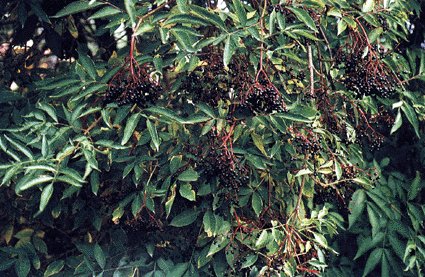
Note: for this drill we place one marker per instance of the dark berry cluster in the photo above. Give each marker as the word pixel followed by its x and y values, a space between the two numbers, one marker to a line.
pixel 224 166
pixel 264 100
pixel 307 144
pixel 367 76
pixel 212 82
pixel 383 22
pixel 141 92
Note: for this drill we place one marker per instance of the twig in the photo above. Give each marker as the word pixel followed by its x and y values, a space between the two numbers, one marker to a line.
pixel 311 69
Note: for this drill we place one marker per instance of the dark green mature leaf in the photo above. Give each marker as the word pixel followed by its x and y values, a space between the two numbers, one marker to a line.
pixel 105 12
pixel 356 206
pixel 130 127
pixel 99 255
pixel 208 15
pixel 373 261
pixel 185 19
pixel 240 11
pixel 22 266
pixel 409 112
pixel 185 218
pixel 76 7
pixel 415 187
pixel 46 194
pixel 154 134
pixel 257 203
pixel 304 17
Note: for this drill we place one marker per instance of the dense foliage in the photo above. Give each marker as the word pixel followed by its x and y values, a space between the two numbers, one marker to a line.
pixel 205 138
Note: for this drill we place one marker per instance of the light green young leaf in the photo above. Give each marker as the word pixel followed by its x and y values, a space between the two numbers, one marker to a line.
pixel 189 175
pixel 186 191
pixel 54 268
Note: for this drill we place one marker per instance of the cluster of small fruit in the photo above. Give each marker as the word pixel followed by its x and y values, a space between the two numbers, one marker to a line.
pixel 225 166
pixel 282 9
pixel 365 132
pixel 306 143
pixel 264 98
pixel 367 75
pixel 128 90
pixel 212 82
pixel 383 22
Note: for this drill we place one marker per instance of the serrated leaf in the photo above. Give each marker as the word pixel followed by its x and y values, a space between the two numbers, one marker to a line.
pixel 356 206
pixel 258 142
pixel 87 64
pixel 229 50
pixel 54 268
pixel 410 113
pixel 154 134
pixel 262 240
pixel 105 12
pixel 130 127
pixel 31 183
pixel 209 223
pixel 208 15
pixel 372 261
pixel 368 6
pixel 131 11
pixel 341 27
pixel 257 203
pixel 170 200
pixel 22 266
pixel 303 16
pixel 185 218
pixel 99 255
pixel 397 122
pixel 186 191
pixel 46 194
pixel 240 11
pixel 415 187
pixel 373 219
pixel 20 147
pixel 189 175
pixel 218 244
pixel 76 7
pixel 249 261
pixel 50 110
pixel 185 19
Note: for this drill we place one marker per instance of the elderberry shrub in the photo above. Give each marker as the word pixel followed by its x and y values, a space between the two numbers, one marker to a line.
pixel 141 92
pixel 367 76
